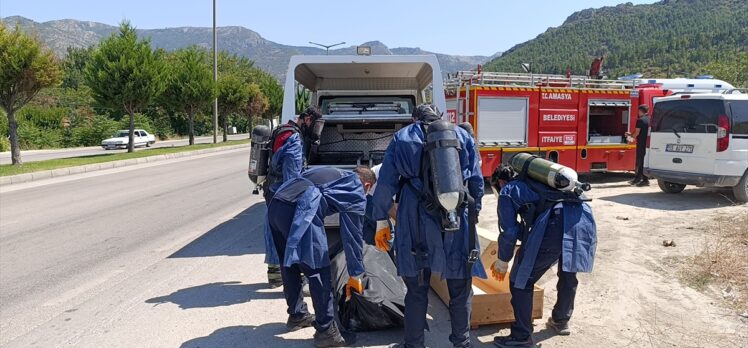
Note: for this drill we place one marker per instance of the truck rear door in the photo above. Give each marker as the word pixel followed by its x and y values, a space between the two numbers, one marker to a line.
pixel 684 134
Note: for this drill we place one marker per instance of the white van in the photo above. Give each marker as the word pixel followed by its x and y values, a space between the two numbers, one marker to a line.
pixel 702 140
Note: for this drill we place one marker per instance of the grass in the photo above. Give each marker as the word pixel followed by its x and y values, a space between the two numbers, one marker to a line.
pixel 723 263
pixel 9 169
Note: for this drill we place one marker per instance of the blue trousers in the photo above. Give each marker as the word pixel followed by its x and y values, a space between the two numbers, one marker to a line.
pixel 549 254
pixel 416 304
pixel 320 283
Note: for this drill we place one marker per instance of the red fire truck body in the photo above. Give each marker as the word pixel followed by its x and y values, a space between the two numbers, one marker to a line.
pixel 576 121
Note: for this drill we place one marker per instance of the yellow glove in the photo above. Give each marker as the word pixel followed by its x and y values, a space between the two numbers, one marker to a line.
pixel 499 269
pixel 383 236
pixel 354 284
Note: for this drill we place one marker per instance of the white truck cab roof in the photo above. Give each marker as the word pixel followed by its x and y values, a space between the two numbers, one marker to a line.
pixel 378 74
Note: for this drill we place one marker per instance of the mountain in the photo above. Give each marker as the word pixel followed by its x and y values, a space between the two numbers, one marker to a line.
pixel 269 55
pixel 668 38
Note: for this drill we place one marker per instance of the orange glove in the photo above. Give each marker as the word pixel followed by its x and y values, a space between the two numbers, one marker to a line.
pixel 354 284
pixel 383 236
pixel 499 269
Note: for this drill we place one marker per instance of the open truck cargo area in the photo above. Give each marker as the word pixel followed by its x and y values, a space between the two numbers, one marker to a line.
pixel 364 100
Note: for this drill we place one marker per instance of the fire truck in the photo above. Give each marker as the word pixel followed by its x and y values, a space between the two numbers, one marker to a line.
pixel 577 121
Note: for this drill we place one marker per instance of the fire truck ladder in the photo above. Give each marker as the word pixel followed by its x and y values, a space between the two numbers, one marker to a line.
pixel 473 78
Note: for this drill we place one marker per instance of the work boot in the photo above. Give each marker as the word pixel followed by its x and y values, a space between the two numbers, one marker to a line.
pixel 511 342
pixel 274 276
pixel 634 182
pixel 299 321
pixel 560 328
pixel 333 338
pixel 643 183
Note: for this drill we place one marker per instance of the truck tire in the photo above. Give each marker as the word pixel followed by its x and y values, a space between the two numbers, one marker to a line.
pixel 741 189
pixel 670 187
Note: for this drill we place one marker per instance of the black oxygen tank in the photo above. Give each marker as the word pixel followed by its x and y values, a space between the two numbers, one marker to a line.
pixel 443 146
pixel 259 155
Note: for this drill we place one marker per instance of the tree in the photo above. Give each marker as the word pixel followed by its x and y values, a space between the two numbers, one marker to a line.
pixel 303 97
pixel 124 73
pixel 274 93
pixel 733 70
pixel 25 68
pixel 189 86
pixel 258 103
pixel 233 96
pixel 74 65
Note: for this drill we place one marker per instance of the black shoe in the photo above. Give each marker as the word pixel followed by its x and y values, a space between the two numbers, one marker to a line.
pixel 333 338
pixel 634 182
pixel 300 321
pixel 559 328
pixel 274 276
pixel 511 342
pixel 643 183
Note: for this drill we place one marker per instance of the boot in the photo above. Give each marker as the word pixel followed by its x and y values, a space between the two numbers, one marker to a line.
pixel 511 342
pixel 299 321
pixel 559 328
pixel 333 338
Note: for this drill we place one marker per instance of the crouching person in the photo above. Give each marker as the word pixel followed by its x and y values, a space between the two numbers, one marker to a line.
pixel 555 227
pixel 296 216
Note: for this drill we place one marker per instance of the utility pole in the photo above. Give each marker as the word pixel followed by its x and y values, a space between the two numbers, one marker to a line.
pixel 327 47
pixel 215 76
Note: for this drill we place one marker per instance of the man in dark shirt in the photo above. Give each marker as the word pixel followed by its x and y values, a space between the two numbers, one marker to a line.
pixel 640 134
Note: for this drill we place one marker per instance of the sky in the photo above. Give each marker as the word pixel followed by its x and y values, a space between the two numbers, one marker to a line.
pixel 462 27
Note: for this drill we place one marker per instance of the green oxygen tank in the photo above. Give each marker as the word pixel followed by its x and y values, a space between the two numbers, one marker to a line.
pixel 554 175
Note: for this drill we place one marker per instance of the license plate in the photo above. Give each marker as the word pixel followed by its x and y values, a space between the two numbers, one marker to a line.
pixel 679 148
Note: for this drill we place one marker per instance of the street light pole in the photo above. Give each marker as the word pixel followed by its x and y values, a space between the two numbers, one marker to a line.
pixel 327 47
pixel 215 76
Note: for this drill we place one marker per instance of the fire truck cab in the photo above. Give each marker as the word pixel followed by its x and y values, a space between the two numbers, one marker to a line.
pixel 573 120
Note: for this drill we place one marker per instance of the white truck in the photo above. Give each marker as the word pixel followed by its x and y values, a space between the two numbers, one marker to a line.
pixel 364 101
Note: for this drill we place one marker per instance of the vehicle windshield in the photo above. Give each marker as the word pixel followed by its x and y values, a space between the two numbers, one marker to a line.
pixel 390 105
pixel 121 134
pixel 687 115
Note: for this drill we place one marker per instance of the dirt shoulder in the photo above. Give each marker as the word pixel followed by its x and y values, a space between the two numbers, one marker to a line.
pixel 638 294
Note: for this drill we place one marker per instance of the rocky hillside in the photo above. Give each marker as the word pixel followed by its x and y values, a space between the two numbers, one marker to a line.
pixel 269 55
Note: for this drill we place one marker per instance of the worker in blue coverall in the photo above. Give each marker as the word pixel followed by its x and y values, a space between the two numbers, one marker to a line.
pixel 562 232
pixel 286 163
pixel 296 215
pixel 444 253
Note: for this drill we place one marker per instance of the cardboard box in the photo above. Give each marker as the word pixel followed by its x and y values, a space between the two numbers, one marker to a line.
pixel 491 298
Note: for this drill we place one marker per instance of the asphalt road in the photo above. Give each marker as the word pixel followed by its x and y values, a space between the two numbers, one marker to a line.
pixel 167 254
pixel 41 155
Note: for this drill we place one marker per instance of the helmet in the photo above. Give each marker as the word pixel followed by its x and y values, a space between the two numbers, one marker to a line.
pixel 427 113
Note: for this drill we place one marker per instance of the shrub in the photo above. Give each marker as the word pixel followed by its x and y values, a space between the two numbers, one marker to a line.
pixel 97 129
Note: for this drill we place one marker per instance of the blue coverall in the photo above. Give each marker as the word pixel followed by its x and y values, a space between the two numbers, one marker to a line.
pixel 296 216
pixel 447 253
pixel 287 161
pixel 565 233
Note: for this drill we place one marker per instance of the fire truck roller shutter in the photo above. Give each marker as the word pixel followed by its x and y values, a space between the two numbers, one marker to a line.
pixel 502 120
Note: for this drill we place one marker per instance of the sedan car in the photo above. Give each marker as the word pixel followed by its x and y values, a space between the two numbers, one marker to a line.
pixel 120 139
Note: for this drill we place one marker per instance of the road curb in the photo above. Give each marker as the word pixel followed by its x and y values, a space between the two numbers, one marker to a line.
pixel 55 173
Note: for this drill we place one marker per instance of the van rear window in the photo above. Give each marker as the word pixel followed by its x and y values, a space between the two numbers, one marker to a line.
pixel 687 115
pixel 739 110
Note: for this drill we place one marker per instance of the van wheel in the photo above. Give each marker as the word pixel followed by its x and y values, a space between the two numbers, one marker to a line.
pixel 741 189
pixel 670 187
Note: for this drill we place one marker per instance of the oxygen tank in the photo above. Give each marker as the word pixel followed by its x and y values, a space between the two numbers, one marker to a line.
pixel 552 174
pixel 443 147
pixel 259 155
